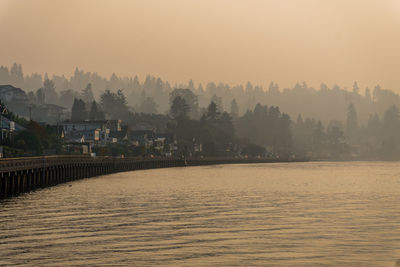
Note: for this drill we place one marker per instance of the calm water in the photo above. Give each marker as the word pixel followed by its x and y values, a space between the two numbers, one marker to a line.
pixel 297 214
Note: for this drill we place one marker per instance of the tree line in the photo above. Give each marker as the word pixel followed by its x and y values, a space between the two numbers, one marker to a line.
pixel 151 95
pixel 331 122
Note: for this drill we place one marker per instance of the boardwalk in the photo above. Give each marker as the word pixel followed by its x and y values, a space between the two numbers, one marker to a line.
pixel 19 175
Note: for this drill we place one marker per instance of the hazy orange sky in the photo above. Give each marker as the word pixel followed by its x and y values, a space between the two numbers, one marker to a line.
pixel 232 41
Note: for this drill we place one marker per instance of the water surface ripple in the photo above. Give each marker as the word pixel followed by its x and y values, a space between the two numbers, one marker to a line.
pixel 296 214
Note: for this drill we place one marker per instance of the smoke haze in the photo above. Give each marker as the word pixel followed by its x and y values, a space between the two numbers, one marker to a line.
pixel 285 41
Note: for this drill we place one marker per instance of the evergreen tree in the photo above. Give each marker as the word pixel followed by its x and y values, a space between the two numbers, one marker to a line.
pixel 368 95
pixel 78 112
pixel 212 113
pixel 87 94
pixel 148 105
pixel 318 139
pixel 249 88
pixel 179 108
pixel 391 132
pixel 115 104
pixel 94 112
pixel 374 127
pixel 4 75
pixel 376 92
pixel 336 139
pixel 273 88
pixel 200 89
pixel 217 100
pixel 351 123
pixel 17 76
pixel 50 93
pixel 40 97
pixel 234 108
pixel 190 99
pixel 191 85
pixel 356 89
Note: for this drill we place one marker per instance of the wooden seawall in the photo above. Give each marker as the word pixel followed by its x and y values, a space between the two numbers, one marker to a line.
pixel 19 175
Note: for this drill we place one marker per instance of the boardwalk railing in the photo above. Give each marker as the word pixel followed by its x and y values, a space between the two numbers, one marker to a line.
pixel 19 175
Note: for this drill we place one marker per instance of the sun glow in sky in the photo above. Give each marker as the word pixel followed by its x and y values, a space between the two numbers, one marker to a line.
pixel 232 41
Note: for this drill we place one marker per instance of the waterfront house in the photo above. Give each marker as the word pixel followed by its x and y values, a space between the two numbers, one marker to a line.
pixel 8 127
pixel 120 136
pixel 9 94
pixel 102 131
pixel 15 99
pixel 143 137
pixel 169 143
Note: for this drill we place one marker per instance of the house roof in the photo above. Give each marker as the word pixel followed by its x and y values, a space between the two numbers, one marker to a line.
pixel 9 87
pixel 5 124
pixel 18 92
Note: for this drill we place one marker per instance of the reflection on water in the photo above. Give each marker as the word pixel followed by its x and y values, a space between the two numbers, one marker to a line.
pixel 296 214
